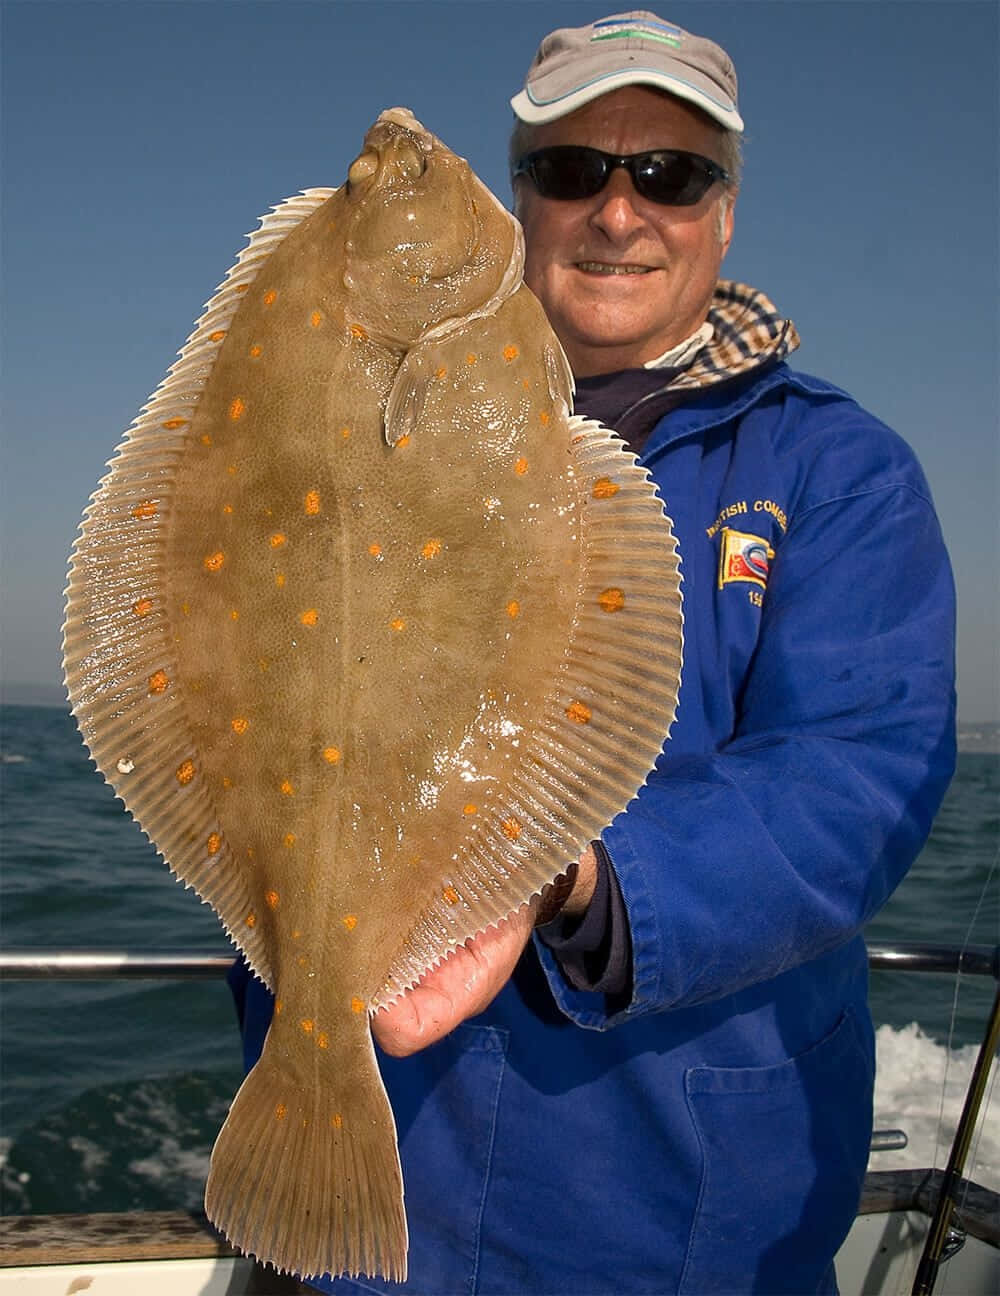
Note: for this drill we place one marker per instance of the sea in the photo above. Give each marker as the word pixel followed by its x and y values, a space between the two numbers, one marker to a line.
pixel 112 1092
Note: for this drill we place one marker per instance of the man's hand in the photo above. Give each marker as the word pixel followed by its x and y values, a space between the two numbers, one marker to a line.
pixel 471 977
pixel 466 982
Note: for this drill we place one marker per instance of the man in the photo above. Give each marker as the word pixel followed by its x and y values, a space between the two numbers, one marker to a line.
pixel 666 1085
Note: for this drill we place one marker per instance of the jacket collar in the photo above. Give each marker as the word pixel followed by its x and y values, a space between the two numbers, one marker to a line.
pixel 747 332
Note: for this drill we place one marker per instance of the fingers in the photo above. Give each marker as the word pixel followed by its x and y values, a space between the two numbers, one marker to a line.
pixel 462 986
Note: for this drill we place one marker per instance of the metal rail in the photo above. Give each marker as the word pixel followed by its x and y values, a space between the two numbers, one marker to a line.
pixel 919 956
pixel 111 965
pixel 194 965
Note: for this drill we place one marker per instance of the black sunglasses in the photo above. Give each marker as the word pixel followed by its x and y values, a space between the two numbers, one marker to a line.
pixel 669 176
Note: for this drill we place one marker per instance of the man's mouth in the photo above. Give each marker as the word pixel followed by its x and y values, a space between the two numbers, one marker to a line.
pixel 612 268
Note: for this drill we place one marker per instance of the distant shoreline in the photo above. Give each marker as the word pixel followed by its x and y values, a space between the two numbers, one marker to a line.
pixel 982 738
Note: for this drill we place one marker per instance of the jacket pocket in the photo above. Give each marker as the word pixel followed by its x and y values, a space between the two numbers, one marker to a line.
pixel 445 1102
pixel 784 1150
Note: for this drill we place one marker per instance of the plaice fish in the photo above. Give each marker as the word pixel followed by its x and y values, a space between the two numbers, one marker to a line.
pixel 372 636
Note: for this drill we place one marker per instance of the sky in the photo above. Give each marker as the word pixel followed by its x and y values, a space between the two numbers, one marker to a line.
pixel 141 141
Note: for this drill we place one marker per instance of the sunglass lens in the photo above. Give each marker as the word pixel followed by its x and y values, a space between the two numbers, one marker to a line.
pixel 673 178
pixel 568 172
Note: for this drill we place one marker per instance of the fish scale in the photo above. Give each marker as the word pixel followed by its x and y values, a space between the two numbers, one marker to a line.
pixel 357 630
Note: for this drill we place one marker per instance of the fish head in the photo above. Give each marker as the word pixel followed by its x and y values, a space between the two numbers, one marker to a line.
pixel 426 241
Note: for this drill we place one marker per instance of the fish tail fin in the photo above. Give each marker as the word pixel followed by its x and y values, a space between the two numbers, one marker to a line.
pixel 308 1179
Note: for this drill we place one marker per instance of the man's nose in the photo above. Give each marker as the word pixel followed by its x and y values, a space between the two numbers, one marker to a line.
pixel 616 207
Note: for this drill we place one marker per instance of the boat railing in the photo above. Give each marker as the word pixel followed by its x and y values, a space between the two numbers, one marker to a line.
pixel 38 964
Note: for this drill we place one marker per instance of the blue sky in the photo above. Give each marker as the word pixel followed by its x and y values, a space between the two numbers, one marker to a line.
pixel 141 140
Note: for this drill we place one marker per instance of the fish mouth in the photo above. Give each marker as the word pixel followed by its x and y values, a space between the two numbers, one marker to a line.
pixel 613 268
pixel 395 153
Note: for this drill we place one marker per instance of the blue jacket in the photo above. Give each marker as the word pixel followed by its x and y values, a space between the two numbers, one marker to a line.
pixel 712 1134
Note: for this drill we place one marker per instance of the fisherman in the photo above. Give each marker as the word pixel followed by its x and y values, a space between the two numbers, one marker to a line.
pixel 658 1077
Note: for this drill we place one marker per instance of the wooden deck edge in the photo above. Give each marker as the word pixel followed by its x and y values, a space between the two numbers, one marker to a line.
pixel 977 1209
pixel 132 1235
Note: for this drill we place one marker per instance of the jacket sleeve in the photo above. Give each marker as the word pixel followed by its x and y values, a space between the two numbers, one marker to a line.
pixel 738 864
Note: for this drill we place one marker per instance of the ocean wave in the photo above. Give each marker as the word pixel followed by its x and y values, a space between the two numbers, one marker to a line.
pixel 920 1088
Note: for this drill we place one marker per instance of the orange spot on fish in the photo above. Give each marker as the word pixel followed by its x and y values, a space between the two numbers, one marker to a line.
pixel 510 353
pixel 450 895
pixel 279 1007
pixel 142 607
pixel 231 469
pixel 358 332
pixel 309 617
pixel 357 1005
pixel 577 439
pixel 470 809
pixel 217 336
pixel 544 418
pixel 279 580
pixel 350 921
pixel 237 408
pixel 307 1025
pixel 345 432
pixel 441 371
pixel 173 423
pixel 145 509
pixel 316 318
pixel 397 623
pixel 251 920
pixel 513 608
pixel 213 562
pixel 158 682
pixel 234 614
pixel 331 755
pixel 255 352
pixel 205 439
pixel 604 488
pixel 471 358
pixel 280 1111
pixel 431 549
pixel 511 828
pixel 272 899
pixel 521 467
pixel 404 440
pixel 578 712
pixel 312 502
pixel 289 839
pixel 374 549
pixel 611 600
pixel 270 297
pixel 277 540
pixel 186 609
pixel 227 782
pixel 240 724
pixel 242 288
pixel 227 508
pixel 287 788
pixel 336 1120
pixel 185 772
pixel 214 843
pixel 323 1040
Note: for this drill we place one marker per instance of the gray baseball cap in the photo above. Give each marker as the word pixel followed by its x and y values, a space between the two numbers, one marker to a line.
pixel 574 65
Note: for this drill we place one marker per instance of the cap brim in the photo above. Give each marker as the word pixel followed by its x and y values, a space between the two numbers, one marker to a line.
pixel 535 111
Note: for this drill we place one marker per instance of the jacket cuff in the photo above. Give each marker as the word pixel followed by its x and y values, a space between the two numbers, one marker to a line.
pixel 589 961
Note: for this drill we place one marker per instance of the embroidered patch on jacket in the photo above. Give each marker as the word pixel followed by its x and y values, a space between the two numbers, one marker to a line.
pixel 744 557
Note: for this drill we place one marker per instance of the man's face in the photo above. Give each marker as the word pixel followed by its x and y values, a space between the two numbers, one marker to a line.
pixel 624 279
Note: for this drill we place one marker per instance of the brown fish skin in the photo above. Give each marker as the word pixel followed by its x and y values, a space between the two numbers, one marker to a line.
pixel 371 636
